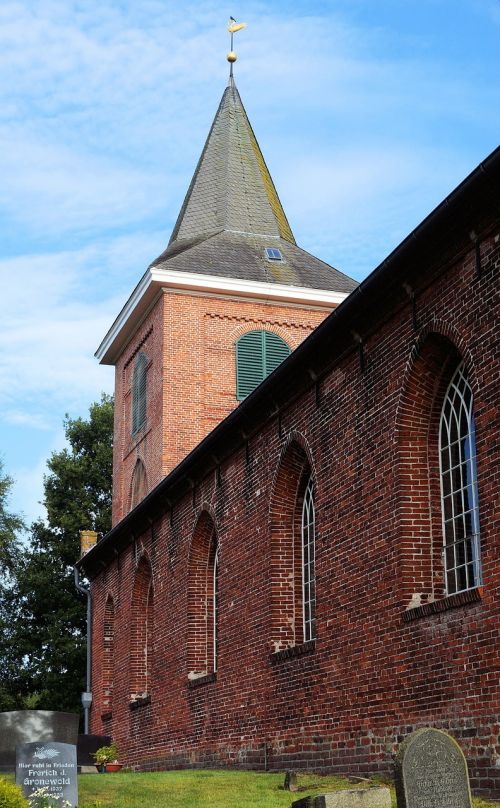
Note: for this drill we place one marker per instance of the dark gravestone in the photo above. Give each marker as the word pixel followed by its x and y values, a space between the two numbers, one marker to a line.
pixel 290 783
pixel 431 772
pixel 24 726
pixel 48 765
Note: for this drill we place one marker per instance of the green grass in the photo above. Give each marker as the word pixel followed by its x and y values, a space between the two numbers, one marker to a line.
pixel 204 789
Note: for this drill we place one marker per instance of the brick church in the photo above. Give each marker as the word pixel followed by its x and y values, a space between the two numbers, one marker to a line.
pixel 302 566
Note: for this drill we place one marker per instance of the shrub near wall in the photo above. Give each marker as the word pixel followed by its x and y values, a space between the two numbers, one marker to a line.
pixel 11 796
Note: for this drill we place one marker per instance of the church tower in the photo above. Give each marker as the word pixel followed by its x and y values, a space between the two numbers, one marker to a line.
pixel 228 299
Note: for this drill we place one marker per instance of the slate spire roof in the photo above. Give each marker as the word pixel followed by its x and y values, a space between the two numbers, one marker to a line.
pixel 232 212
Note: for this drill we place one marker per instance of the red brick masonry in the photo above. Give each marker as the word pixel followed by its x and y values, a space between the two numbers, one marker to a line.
pixel 363 422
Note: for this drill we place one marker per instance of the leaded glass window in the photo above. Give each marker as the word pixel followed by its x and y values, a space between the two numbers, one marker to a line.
pixel 308 576
pixel 459 499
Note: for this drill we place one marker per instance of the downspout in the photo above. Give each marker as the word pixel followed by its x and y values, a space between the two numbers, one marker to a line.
pixel 87 695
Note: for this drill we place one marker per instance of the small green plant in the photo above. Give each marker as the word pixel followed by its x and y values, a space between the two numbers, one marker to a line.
pixel 106 754
pixel 11 796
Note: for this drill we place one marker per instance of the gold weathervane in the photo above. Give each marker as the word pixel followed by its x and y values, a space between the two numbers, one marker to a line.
pixel 233 27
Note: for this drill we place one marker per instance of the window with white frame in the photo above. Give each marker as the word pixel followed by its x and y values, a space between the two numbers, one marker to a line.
pixel 308 576
pixel 459 500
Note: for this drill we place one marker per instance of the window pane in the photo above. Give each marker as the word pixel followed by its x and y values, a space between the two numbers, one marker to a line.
pixel 308 580
pixel 459 500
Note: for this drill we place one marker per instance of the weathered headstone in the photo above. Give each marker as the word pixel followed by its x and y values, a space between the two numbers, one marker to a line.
pixel 48 765
pixel 431 772
pixel 26 726
pixel 290 783
pixel 378 797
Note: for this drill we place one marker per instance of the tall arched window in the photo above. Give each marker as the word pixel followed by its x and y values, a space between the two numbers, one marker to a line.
pixel 216 607
pixel 108 655
pixel 292 529
pixel 258 353
pixel 139 484
pixel 141 631
pixel 459 501
pixel 203 599
pixel 139 393
pixel 308 575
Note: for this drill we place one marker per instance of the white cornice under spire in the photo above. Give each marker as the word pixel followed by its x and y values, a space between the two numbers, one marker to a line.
pixel 157 279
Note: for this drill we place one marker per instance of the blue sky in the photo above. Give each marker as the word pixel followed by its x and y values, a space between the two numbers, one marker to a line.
pixel 368 114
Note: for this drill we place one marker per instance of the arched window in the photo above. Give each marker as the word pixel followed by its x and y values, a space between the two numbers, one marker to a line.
pixel 139 484
pixel 435 398
pixel 108 655
pixel 258 353
pixel 292 527
pixel 459 501
pixel 141 631
pixel 203 599
pixel 308 576
pixel 216 607
pixel 139 393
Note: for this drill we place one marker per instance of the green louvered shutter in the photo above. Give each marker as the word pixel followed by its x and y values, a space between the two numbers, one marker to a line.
pixel 275 350
pixel 139 393
pixel 258 353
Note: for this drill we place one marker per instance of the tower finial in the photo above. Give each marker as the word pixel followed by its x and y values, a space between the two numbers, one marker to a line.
pixel 233 27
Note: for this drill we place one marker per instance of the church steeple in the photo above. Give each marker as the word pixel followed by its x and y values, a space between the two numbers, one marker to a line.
pixel 231 188
pixel 232 213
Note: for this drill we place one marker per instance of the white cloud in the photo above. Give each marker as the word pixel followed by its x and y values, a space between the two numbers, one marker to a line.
pixel 19 418
pixel 53 319
pixel 103 113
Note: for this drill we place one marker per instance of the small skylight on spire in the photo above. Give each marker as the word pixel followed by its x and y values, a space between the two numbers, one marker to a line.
pixel 273 254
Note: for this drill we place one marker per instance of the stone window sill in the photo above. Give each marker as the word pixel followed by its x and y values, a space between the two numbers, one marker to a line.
pixel 106 716
pixel 141 702
pixel 202 680
pixel 444 604
pixel 292 652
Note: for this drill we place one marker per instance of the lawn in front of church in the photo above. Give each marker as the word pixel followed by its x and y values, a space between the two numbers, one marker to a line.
pixel 205 789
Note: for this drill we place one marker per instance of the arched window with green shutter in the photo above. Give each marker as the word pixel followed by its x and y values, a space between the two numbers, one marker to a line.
pixel 139 393
pixel 258 353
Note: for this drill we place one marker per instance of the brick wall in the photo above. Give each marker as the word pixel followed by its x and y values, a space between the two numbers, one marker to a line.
pixel 189 341
pixel 377 669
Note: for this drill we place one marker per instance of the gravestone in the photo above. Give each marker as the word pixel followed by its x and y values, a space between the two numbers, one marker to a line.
pixel 290 783
pixel 48 765
pixel 378 797
pixel 26 726
pixel 431 772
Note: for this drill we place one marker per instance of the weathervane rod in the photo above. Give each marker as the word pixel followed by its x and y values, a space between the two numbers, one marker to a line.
pixel 233 27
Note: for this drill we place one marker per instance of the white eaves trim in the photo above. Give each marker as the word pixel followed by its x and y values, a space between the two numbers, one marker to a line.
pixel 156 279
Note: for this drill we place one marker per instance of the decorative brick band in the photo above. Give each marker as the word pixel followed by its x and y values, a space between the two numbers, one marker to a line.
pixel 450 602
pixel 136 703
pixel 292 652
pixel 202 680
